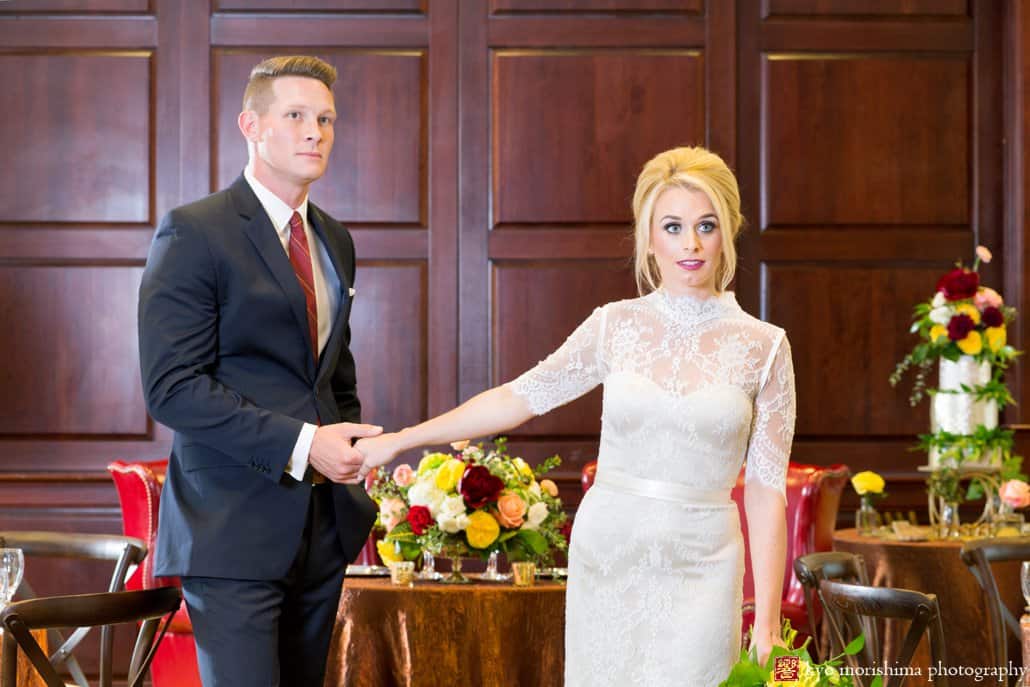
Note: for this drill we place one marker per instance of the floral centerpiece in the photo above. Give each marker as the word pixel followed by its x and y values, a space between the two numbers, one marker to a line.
pixel 473 502
pixel 963 328
pixel 794 667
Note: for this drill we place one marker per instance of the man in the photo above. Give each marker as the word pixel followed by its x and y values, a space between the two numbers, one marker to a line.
pixel 244 347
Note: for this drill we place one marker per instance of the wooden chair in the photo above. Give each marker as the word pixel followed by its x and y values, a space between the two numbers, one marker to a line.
pixel 125 552
pixel 978 556
pixel 86 610
pixel 852 608
pixel 838 566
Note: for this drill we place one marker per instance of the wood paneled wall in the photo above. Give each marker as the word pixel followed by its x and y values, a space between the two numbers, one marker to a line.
pixel 485 159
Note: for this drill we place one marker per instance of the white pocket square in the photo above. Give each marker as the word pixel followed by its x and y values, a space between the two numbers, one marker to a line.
pixel 350 292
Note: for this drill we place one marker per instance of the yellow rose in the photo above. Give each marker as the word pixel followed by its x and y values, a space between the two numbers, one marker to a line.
pixel 448 475
pixel 996 338
pixel 867 482
pixel 482 530
pixel 969 309
pixel 387 552
pixel 431 461
pixel 972 344
pixel 523 467
pixel 937 332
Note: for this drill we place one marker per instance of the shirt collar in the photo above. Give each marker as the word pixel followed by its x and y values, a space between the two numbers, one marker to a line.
pixel 278 211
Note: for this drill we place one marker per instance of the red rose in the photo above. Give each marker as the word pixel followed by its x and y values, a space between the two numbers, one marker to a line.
pixel 960 326
pixel 420 519
pixel 958 284
pixel 479 487
pixel 566 530
pixel 992 317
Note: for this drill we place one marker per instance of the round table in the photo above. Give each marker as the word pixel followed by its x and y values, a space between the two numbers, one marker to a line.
pixel 484 634
pixel 936 567
pixel 25 674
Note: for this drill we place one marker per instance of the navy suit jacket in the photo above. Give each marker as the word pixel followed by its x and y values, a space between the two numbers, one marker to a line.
pixel 226 363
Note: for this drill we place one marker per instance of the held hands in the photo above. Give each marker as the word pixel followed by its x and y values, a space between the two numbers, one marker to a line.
pixel 332 454
pixel 378 450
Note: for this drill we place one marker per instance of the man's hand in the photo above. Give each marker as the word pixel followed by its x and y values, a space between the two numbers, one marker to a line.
pixel 332 454
pixel 378 451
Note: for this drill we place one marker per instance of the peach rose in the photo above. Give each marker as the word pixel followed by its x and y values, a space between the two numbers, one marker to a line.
pixel 391 512
pixel 403 475
pixel 1015 493
pixel 511 510
pixel 550 487
pixel 987 298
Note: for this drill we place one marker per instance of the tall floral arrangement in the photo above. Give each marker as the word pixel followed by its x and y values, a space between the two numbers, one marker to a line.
pixel 471 503
pixel 966 324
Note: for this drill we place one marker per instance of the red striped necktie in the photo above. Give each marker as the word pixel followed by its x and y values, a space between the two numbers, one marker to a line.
pixel 300 258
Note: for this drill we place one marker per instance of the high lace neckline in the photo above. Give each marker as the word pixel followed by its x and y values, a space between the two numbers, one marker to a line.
pixel 691 310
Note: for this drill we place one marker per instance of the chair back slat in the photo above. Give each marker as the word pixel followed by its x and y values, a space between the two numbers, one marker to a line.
pixel 838 566
pixel 978 556
pixel 854 604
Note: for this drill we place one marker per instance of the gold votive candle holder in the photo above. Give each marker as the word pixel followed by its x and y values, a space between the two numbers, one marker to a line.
pixel 523 573
pixel 402 573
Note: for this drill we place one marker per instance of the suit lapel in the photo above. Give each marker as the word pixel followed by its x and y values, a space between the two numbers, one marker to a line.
pixel 262 234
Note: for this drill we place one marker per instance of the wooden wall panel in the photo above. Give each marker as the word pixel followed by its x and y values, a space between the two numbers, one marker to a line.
pixel 865 8
pixel 536 306
pixel 389 328
pixel 590 120
pixel 864 139
pixel 842 365
pixel 72 368
pixel 66 175
pixel 376 171
pixel 577 6
pixel 77 6
pixel 404 6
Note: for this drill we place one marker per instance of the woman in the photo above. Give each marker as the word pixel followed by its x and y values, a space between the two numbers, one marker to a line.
pixel 692 387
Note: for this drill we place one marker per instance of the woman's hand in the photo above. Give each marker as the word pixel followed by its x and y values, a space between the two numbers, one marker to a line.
pixel 378 451
pixel 763 643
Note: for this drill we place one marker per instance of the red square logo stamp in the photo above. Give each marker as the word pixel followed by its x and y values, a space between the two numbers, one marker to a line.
pixel 786 668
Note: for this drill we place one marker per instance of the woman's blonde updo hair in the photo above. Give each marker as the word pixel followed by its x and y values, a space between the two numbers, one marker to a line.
pixel 694 169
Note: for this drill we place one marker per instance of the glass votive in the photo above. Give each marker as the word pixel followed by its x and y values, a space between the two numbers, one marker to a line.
pixel 402 573
pixel 523 573
pixel 1008 525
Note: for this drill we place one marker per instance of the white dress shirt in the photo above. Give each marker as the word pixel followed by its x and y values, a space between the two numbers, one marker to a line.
pixel 327 292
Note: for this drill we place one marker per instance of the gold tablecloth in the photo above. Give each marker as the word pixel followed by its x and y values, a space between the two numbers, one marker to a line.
pixel 483 634
pixel 26 674
pixel 935 567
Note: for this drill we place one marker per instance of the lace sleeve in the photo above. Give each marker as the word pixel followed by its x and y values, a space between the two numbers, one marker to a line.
pixel 568 373
pixel 772 429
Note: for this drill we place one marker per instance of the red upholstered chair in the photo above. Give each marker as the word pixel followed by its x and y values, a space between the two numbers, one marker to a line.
pixel 139 490
pixel 813 499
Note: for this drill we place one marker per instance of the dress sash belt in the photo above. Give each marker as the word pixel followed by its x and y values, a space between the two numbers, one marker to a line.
pixel 616 480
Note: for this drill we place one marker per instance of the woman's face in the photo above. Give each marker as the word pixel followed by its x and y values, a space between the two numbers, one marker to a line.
pixel 686 241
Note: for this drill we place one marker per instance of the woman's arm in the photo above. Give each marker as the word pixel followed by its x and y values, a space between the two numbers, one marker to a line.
pixel 767 542
pixel 495 410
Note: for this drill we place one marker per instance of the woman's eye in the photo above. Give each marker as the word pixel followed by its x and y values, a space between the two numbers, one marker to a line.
pixel 293 115
pixel 325 120
pixel 706 227
pixel 672 227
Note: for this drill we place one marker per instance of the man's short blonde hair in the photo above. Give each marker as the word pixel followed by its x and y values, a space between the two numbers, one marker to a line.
pixel 258 94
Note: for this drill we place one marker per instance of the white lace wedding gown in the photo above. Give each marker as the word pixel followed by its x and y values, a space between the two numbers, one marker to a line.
pixel 656 564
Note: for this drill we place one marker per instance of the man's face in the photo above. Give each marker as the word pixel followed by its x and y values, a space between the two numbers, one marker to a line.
pixel 294 136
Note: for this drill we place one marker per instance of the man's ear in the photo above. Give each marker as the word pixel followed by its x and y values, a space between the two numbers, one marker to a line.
pixel 248 123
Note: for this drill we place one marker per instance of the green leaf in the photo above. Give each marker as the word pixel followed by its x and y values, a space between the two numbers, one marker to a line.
pixel 877 681
pixel 855 645
pixel 533 540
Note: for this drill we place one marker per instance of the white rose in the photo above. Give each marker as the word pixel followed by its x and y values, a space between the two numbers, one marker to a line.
pixel 452 524
pixel 425 493
pixel 536 515
pixel 534 489
pixel 941 315
pixel 938 299
pixel 452 506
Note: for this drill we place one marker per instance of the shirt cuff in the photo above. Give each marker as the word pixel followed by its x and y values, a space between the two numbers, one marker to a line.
pixel 298 464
